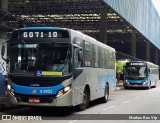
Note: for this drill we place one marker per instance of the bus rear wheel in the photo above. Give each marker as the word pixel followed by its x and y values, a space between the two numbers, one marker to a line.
pixel 85 101
pixel 106 94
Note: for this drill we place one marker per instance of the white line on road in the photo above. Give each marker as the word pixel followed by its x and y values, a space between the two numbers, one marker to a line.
pixel 73 121
pixel 144 94
pixel 84 117
pixel 125 101
pixel 109 108
pixel 137 97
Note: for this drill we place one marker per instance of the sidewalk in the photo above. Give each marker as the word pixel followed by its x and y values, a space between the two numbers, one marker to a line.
pixel 119 86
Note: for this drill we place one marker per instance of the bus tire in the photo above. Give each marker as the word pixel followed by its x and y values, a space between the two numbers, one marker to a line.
pixel 2 107
pixel 155 85
pixel 149 86
pixel 106 94
pixel 85 101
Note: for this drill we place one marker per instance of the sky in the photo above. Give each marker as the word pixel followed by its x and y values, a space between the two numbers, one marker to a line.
pixel 157 5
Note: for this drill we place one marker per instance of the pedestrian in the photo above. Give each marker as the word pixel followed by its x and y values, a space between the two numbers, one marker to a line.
pixel 2 85
pixel 118 78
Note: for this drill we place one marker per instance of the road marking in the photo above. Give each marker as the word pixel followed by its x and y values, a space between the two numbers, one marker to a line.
pixel 72 121
pixel 109 108
pixel 84 117
pixel 125 101
pixel 137 97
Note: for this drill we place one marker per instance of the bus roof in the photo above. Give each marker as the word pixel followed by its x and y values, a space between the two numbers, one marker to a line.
pixel 148 63
pixel 92 40
pixel 41 28
pixel 88 38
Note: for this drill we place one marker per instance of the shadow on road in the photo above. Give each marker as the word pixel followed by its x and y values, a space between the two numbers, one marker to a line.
pixel 137 88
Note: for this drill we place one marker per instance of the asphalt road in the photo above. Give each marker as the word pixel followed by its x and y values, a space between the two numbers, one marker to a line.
pixel 131 105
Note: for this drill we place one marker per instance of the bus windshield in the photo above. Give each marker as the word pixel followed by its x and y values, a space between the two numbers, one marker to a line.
pixel 25 58
pixel 136 72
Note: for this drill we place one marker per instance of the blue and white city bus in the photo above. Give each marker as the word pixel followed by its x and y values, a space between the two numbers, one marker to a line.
pixel 51 66
pixel 141 74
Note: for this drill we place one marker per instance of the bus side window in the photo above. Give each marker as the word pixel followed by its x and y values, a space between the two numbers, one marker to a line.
pixel 77 58
pixel 87 56
pixel 80 58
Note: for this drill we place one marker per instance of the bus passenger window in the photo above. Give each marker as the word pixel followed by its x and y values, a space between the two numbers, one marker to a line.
pixel 77 58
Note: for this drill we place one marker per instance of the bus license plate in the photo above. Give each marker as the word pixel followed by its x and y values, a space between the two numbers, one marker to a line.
pixel 34 100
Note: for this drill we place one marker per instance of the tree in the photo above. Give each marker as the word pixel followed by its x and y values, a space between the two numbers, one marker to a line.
pixel 119 67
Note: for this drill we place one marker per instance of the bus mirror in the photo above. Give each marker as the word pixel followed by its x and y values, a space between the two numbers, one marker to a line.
pixel 3 50
pixel 76 46
pixel 2 54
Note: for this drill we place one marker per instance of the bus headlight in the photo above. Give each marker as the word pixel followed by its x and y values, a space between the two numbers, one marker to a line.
pixel 9 87
pixel 11 90
pixel 63 91
pixel 145 82
pixel 66 89
pixel 127 81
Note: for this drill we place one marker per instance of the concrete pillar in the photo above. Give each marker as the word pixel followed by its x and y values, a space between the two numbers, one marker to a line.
pixel 3 35
pixel 148 49
pixel 156 56
pixel 133 43
pixel 3 7
pixel 103 24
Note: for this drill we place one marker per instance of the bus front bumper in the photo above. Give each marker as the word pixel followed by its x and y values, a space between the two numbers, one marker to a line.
pixel 128 84
pixel 64 100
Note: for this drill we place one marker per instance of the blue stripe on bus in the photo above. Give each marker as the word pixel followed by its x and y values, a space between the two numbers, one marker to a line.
pixel 40 28
pixel 103 79
pixel 36 90
pixel 136 81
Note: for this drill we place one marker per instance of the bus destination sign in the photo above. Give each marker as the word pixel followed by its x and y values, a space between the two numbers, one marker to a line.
pixel 137 63
pixel 44 34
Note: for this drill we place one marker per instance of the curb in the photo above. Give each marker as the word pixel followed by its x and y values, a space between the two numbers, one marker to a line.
pixel 119 88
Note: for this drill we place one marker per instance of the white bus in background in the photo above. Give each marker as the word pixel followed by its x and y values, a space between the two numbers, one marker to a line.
pixel 51 66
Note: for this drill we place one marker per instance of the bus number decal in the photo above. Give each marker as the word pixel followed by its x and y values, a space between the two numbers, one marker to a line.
pixel 52 34
pixel 47 91
pixel 37 34
pixel 31 34
pixel 40 34
pixel 25 34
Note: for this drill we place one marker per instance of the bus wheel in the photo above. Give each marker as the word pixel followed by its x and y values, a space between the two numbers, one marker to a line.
pixel 149 87
pixel 155 85
pixel 85 102
pixel 2 107
pixel 106 94
pixel 125 87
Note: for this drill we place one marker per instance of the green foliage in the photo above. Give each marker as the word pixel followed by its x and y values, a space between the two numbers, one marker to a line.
pixel 119 67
